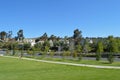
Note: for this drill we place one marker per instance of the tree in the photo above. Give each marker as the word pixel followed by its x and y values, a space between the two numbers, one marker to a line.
pixel 77 36
pixel 78 49
pixel 3 35
pixel 44 37
pixel 77 52
pixel 20 36
pixel 86 47
pixel 9 35
pixel 14 47
pixel 45 47
pixel 38 46
pixel 53 38
pixel 26 46
pixel 113 48
pixel 99 50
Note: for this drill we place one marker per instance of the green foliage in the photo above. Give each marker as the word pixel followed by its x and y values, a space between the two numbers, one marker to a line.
pixel 38 46
pixel 86 47
pixel 99 50
pixel 67 53
pixel 78 50
pixel 26 46
pixel 14 47
pixel 75 54
pixel 30 52
pixel 52 54
pixel 98 56
pixel 77 36
pixel 110 58
pixel 47 48
pixel 113 48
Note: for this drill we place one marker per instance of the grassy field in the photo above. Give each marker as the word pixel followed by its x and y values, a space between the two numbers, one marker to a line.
pixel 17 69
pixel 90 62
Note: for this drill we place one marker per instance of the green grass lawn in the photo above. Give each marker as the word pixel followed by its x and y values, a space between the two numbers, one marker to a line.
pixel 90 62
pixel 18 69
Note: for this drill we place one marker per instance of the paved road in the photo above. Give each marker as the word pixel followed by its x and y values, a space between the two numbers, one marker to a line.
pixel 65 63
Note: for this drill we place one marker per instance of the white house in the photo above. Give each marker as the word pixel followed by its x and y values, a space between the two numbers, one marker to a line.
pixel 30 40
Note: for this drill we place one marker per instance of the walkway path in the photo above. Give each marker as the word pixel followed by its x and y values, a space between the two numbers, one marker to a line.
pixel 65 63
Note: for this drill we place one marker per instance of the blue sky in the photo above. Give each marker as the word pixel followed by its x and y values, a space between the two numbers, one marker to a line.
pixel 95 18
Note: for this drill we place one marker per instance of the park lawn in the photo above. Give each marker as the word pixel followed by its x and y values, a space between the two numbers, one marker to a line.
pixel 83 61
pixel 18 69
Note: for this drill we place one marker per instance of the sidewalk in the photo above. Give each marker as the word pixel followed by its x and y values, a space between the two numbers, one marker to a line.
pixel 65 63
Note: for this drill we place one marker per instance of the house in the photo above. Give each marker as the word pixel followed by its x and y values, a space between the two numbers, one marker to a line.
pixel 30 40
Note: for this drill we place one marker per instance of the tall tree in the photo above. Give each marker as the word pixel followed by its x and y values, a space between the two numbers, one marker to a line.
pixel 20 35
pixel 77 36
pixel 113 48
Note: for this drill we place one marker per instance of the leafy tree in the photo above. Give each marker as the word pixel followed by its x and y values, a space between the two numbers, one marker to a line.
pixel 118 43
pixel 78 49
pixel 77 36
pixel 99 50
pixel 113 48
pixel 46 47
pixel 86 47
pixel 38 46
pixel 75 54
pixel 80 52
